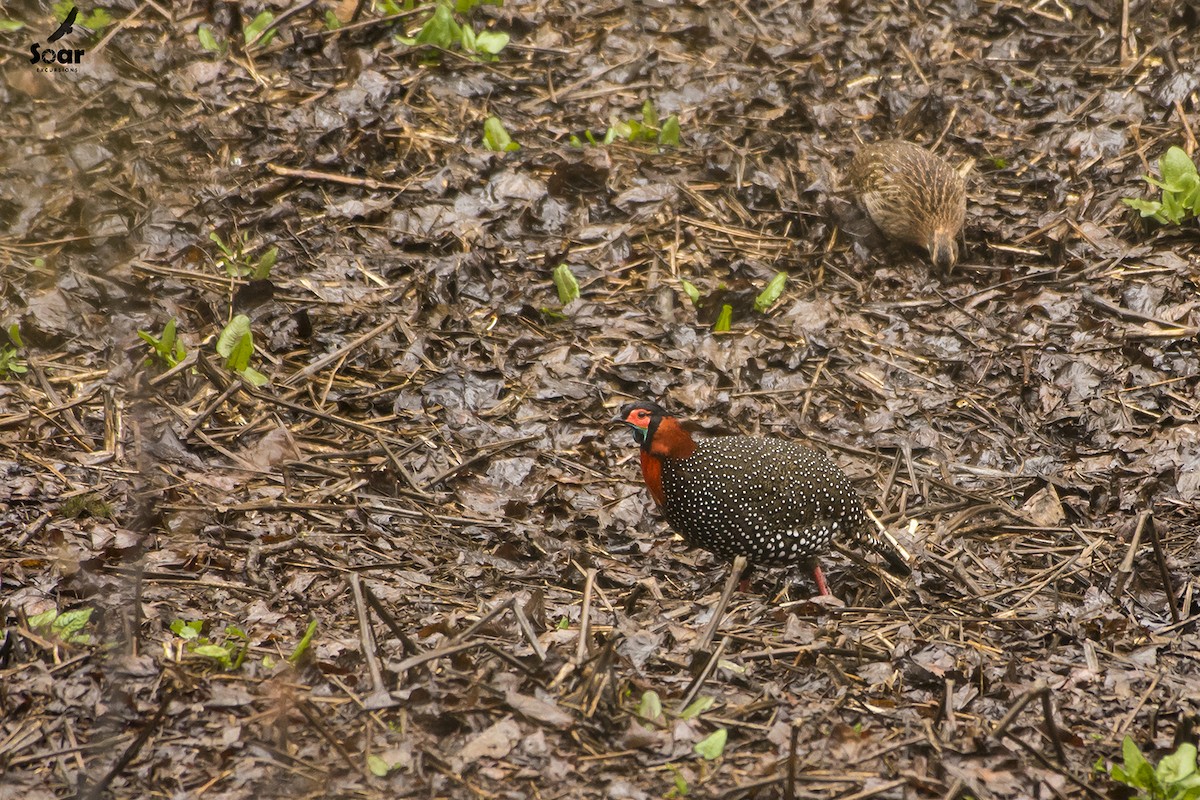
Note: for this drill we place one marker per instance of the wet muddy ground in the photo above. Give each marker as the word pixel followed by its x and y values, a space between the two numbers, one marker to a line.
pixel 430 475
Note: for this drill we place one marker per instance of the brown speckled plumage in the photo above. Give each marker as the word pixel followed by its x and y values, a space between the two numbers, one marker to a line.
pixel 912 196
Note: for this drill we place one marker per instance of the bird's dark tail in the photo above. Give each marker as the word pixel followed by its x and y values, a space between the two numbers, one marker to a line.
pixel 883 545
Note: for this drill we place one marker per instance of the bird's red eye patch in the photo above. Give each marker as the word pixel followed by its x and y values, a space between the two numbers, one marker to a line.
pixel 639 417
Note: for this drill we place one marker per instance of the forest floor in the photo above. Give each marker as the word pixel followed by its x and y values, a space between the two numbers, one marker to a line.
pixel 430 474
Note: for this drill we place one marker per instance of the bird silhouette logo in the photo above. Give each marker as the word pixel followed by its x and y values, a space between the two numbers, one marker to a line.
pixel 66 26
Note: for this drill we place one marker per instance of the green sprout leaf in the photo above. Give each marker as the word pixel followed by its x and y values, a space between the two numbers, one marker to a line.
pixel 237 329
pixel 305 641
pixel 1179 767
pixel 208 41
pixel 649 115
pixel 691 291
pixel 712 746
pixel 97 21
pixel 669 135
pixel 259 24
pixel 379 768
pixel 490 42
pixel 263 269
pixel 650 707
pixel 496 138
pixel 724 319
pixel 1180 185
pixel 440 30
pixel 187 630
pixel 14 335
pixel 1147 208
pixel 9 25
pixel 697 707
pixel 1178 171
pixel 216 652
pixel 564 281
pixel 769 295
pixel 332 23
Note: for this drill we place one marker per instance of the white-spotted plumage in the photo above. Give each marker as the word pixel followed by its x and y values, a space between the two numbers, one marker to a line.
pixel 770 500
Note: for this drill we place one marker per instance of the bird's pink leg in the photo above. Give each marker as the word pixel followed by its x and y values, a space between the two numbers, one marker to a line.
pixel 819 577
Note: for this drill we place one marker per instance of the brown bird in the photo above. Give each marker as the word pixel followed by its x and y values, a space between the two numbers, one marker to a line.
pixel 912 196
pixel 767 499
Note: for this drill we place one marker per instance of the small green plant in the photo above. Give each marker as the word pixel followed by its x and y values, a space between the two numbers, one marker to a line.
pixel 441 30
pixel 765 299
pixel 650 709
pixel 680 789
pixel 712 746
pixel 10 25
pixel 773 291
pixel 496 138
pixel 332 23
pixel 1175 778
pixel 229 654
pixel 10 364
pixel 564 281
pixel 166 348
pixel 697 707
pixel 209 41
pixel 724 319
pixel 568 292
pixel 379 768
pixel 260 23
pixel 65 627
pixel 304 643
pixel 90 504
pixel 1180 186
pixel 647 129
pixel 238 261
pixel 96 20
pixel 236 346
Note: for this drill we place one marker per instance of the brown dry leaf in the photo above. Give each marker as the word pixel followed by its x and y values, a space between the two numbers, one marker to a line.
pixel 496 741
pixel 1044 509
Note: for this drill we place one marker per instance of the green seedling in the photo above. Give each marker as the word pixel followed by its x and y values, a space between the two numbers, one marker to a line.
pixel 10 364
pixel 209 41
pixel 236 346
pixel 712 746
pixel 442 31
pixel 90 504
pixel 680 789
pixel 1175 778
pixel 96 20
pixel 10 25
pixel 229 654
pixel 650 708
pixel 252 32
pixel 648 130
pixel 1180 185
pixel 238 261
pixel 564 281
pixel 378 767
pixel 65 627
pixel 332 23
pixel 303 645
pixel 724 319
pixel 697 707
pixel 167 348
pixel 496 138
pixel 767 297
